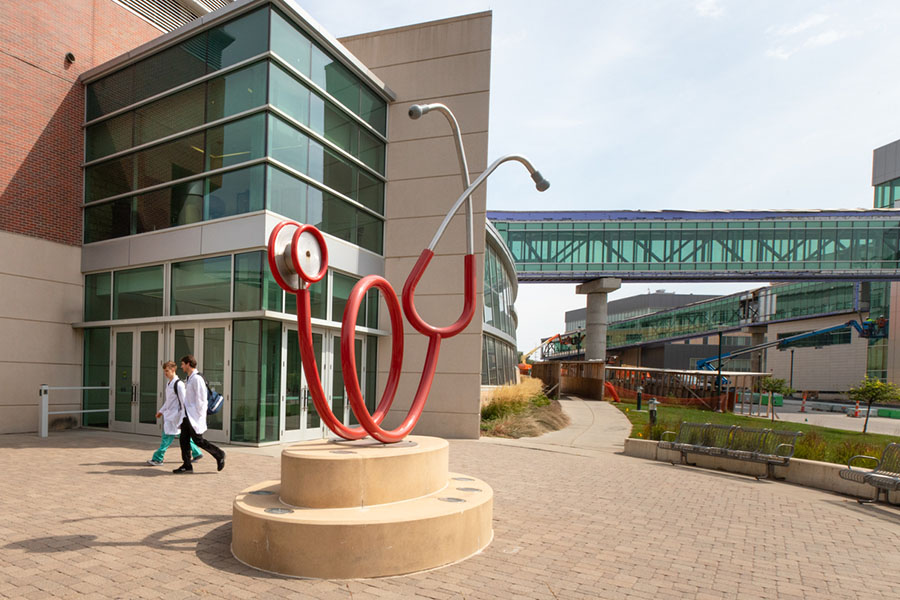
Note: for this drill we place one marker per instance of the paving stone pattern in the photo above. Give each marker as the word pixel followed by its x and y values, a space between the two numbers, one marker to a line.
pixel 81 516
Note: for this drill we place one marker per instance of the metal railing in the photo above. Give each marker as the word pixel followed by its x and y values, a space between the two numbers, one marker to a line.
pixel 45 411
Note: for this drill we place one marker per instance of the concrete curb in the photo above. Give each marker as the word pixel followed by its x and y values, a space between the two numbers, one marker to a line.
pixel 808 473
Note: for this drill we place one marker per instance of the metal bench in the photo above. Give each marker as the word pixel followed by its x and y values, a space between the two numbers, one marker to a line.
pixel 885 476
pixel 772 447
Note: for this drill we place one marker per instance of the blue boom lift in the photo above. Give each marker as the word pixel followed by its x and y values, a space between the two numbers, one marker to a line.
pixel 871 329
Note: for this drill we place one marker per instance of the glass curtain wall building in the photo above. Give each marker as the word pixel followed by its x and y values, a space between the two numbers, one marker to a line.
pixel 239 119
pixel 499 355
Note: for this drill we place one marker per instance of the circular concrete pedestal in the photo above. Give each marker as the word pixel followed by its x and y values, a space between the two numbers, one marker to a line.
pixel 362 509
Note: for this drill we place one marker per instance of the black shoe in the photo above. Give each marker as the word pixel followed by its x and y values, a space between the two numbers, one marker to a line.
pixel 220 463
pixel 183 469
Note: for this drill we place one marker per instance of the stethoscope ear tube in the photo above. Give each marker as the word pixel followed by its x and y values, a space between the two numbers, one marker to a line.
pixel 409 290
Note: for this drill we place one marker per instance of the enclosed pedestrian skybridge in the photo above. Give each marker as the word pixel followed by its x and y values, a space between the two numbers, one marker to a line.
pixel 674 245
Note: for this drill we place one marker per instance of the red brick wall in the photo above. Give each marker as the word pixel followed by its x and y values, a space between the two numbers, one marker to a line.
pixel 42 106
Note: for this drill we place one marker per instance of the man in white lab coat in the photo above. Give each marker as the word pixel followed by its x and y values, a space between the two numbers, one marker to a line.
pixel 194 423
pixel 172 413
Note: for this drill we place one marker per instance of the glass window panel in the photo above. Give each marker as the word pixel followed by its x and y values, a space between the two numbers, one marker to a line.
pixel 138 293
pixel 110 93
pixel 339 218
pixel 238 40
pixel 109 178
pixel 318 300
pixel 342 86
pixel 214 368
pixel 288 94
pixel 201 286
pixel 236 142
pixel 180 204
pixel 317 113
pixel 371 151
pixel 341 129
pixel 124 394
pixel 169 68
pixel 245 381
pixel 236 92
pixel 97 294
pixel 234 193
pixel 288 145
pixel 286 194
pixel 108 220
pixel 316 165
pixel 270 413
pixel 96 373
pixel 371 393
pixel 109 137
pixel 254 286
pixel 170 161
pixel 373 109
pixel 184 345
pixel 289 43
pixel 369 231
pixel 318 65
pixel 371 192
pixel 339 175
pixel 315 200
pixel 372 308
pixel 343 285
pixel 293 388
pixel 169 115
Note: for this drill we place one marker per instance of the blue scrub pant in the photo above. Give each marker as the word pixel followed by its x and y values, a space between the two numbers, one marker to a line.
pixel 166 442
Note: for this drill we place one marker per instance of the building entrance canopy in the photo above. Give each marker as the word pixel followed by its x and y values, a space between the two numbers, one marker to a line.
pixel 672 245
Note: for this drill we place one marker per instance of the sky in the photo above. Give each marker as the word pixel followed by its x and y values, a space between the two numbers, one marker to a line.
pixel 691 104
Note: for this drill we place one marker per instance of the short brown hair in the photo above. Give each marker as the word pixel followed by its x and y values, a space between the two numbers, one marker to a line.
pixel 189 359
pixel 169 365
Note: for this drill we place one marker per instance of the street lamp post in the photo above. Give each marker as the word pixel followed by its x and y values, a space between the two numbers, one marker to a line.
pixel 791 383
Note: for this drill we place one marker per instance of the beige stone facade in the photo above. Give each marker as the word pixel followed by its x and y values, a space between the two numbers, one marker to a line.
pixel 41 295
pixel 444 61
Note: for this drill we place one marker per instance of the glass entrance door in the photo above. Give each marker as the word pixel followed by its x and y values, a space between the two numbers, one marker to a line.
pixel 299 417
pixel 210 344
pixel 137 377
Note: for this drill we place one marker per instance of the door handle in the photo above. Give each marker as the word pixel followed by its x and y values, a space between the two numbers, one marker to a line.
pixel 133 392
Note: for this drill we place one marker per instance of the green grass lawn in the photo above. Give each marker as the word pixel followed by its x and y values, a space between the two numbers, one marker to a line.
pixel 817 443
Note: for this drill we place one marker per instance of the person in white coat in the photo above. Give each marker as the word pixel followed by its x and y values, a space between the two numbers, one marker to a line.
pixel 172 413
pixel 194 424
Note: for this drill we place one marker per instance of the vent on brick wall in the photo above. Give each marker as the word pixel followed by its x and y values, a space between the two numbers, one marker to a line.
pixel 171 14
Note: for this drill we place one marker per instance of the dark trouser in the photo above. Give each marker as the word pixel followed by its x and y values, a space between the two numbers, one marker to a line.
pixel 187 435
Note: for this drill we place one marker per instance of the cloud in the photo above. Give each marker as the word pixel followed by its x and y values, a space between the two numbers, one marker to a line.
pixel 808 23
pixel 823 39
pixel 709 8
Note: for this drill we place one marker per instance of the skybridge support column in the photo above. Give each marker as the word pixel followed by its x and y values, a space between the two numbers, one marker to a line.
pixel 597 319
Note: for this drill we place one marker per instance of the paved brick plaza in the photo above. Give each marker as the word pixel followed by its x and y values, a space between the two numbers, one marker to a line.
pixel 82 517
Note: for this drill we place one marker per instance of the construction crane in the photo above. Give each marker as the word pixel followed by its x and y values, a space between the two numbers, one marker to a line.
pixel 524 367
pixel 872 329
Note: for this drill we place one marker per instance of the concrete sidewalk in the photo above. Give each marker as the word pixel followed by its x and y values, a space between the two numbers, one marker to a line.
pixel 82 516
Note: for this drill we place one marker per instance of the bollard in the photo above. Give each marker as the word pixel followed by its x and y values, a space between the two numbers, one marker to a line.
pixel 803 403
pixel 45 407
pixel 651 406
pixel 640 394
pixel 856 412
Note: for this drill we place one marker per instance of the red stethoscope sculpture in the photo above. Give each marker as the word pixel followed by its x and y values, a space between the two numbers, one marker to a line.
pixel 298 257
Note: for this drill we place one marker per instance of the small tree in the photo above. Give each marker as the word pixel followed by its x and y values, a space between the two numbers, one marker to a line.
pixel 774 386
pixel 872 391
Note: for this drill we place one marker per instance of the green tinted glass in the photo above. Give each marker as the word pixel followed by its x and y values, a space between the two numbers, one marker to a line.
pixel 96 373
pixel 238 40
pixel 138 293
pixel 254 286
pixel 245 381
pixel 289 43
pixel 97 296
pixel 286 195
pixel 109 137
pixel 236 92
pixel 201 286
pixel 234 193
pixel 236 142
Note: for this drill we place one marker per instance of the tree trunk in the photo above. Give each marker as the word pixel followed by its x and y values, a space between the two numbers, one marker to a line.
pixel 868 410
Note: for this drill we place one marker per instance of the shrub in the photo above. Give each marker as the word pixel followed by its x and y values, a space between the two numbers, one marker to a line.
pixel 811 445
pixel 654 432
pixel 512 399
pixel 843 452
pixel 540 400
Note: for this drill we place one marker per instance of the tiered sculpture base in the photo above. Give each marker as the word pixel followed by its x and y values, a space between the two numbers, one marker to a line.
pixel 346 510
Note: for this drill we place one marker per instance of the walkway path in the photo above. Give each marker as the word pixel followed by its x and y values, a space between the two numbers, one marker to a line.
pixel 81 516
